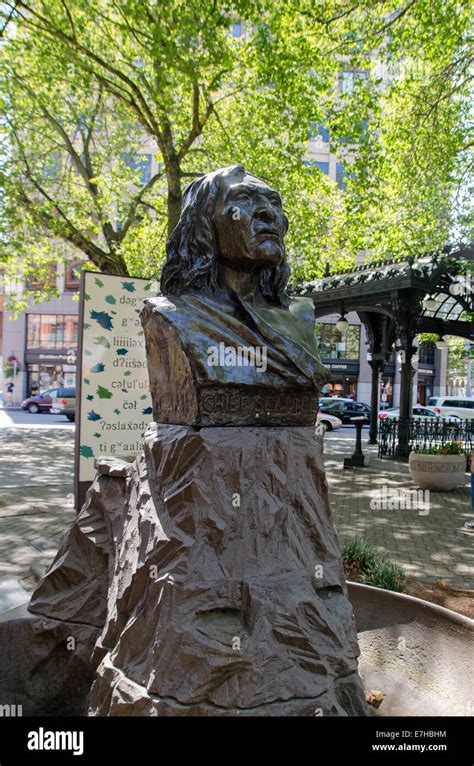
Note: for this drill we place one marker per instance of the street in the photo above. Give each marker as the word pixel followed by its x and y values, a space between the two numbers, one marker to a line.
pixel 20 419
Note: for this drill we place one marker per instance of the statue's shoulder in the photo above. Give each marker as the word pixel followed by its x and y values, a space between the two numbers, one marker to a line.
pixel 162 304
pixel 171 309
pixel 303 308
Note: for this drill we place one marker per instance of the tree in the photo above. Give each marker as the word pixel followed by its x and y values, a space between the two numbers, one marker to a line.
pixel 114 74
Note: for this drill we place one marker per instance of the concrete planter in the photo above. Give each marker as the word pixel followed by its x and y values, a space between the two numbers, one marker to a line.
pixel 439 473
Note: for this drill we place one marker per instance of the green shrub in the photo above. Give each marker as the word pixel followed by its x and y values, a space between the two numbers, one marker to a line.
pixel 361 553
pixel 367 566
pixel 387 575
pixel 451 448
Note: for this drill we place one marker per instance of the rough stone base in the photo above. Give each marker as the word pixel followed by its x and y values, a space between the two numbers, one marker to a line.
pixel 46 666
pixel 213 565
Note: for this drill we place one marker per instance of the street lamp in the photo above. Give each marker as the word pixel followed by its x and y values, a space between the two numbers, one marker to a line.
pixel 342 324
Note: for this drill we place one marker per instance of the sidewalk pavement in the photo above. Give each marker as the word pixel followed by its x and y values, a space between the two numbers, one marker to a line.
pixel 36 502
pixel 36 509
pixel 431 544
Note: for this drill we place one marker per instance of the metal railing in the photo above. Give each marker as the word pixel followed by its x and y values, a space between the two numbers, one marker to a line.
pixel 421 434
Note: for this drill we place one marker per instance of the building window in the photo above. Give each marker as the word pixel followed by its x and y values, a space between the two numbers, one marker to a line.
pixel 426 352
pixel 140 162
pixel 318 132
pixel 236 29
pixel 341 176
pixel 73 275
pixel 51 331
pixel 336 345
pixel 349 79
pixel 35 282
pixel 323 166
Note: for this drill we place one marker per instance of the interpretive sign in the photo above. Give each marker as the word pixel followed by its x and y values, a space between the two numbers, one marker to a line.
pixel 113 397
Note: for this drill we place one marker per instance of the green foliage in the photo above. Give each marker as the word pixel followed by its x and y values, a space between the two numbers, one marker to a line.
pixel 457 356
pixel 88 87
pixel 360 551
pixel 451 448
pixel 370 568
pixel 387 575
pixel 9 369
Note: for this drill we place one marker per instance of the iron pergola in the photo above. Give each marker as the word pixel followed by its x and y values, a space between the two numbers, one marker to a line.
pixel 396 301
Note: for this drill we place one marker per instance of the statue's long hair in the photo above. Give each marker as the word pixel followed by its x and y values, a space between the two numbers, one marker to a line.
pixel 191 251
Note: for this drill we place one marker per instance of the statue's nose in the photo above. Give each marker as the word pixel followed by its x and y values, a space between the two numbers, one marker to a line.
pixel 265 212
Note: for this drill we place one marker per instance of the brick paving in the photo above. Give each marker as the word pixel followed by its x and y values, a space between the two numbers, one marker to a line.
pixel 36 481
pixel 430 543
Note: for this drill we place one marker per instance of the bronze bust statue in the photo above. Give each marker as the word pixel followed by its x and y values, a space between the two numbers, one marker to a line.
pixel 226 345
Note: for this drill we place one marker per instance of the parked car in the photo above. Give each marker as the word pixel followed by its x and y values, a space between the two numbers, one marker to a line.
pixel 344 409
pixel 41 402
pixel 65 404
pixel 419 413
pixel 329 421
pixel 461 407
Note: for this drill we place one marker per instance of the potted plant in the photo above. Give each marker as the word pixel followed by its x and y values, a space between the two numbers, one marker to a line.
pixel 439 469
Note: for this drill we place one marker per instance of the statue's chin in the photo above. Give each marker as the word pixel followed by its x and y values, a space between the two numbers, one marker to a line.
pixel 267 254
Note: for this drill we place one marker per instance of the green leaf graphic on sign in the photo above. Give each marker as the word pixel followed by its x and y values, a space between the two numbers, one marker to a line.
pixel 91 415
pixel 103 393
pixel 129 286
pixel 86 380
pixel 98 435
pixel 101 341
pixel 144 396
pixel 103 319
pixel 147 411
pixel 127 373
pixel 99 367
pixel 117 411
pixel 140 332
pixel 110 299
pixel 85 451
pixel 98 282
pixel 87 297
pixel 87 326
pixel 87 352
pixel 121 351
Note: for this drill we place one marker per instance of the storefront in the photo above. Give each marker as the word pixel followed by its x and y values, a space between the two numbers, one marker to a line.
pixel 51 350
pixel 426 371
pixel 425 384
pixel 387 386
pixel 344 376
pixel 340 353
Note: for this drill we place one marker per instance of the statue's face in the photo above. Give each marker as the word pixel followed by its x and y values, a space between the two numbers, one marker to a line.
pixel 250 223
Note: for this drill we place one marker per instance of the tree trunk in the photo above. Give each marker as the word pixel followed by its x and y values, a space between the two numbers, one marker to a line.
pixel 174 202
pixel 175 194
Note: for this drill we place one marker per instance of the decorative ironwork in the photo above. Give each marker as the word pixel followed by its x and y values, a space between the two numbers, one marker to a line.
pixel 423 434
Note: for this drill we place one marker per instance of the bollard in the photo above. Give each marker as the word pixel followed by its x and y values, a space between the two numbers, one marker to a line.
pixel 357 459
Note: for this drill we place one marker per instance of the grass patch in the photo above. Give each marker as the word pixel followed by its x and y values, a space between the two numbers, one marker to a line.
pixel 363 563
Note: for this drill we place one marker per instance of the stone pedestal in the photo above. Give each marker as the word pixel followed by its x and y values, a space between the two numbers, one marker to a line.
pixel 213 564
